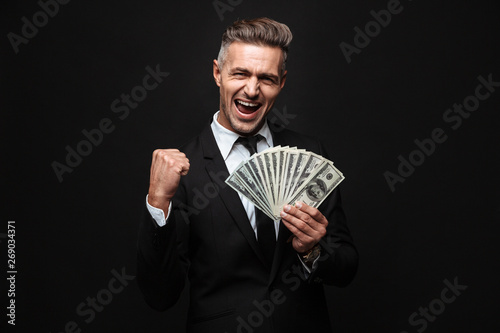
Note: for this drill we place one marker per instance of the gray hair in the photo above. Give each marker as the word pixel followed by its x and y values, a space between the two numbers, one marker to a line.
pixel 260 31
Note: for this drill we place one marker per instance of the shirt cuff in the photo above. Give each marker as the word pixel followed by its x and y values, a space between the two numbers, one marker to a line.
pixel 157 214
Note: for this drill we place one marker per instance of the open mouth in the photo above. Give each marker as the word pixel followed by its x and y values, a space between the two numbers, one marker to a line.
pixel 247 107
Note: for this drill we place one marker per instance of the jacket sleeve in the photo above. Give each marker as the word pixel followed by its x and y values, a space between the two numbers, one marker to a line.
pixel 161 259
pixel 338 262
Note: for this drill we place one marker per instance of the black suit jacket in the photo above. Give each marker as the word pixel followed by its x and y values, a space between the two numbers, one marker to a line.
pixel 208 238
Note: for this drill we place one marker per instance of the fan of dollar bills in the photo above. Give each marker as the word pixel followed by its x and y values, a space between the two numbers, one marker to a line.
pixel 284 175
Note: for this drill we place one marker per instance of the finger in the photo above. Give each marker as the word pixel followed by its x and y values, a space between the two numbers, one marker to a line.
pixel 173 153
pixel 312 212
pixel 171 157
pixel 303 216
pixel 168 161
pixel 179 165
pixel 303 237
pixel 298 224
pixel 183 162
pixel 300 241
pixel 185 167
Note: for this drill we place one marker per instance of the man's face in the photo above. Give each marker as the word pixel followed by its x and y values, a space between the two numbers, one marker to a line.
pixel 249 83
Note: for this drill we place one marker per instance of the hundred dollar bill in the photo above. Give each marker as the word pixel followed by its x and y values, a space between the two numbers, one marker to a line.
pixel 313 162
pixel 252 185
pixel 263 166
pixel 269 171
pixel 279 174
pixel 258 175
pixel 286 179
pixel 258 182
pixel 237 184
pixel 297 171
pixel 314 191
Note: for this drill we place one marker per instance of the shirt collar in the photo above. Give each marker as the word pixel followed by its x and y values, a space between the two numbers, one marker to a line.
pixel 225 138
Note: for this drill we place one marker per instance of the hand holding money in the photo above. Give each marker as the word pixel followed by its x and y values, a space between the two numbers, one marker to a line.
pixel 306 223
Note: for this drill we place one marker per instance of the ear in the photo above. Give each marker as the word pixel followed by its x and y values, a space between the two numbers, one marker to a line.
pixel 217 73
pixel 283 79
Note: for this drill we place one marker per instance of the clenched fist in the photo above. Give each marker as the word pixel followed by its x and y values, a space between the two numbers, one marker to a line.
pixel 167 167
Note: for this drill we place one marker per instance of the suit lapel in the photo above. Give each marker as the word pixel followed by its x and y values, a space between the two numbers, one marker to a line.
pixel 217 171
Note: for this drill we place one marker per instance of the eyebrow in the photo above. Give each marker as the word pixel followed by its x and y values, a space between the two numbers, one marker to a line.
pixel 244 70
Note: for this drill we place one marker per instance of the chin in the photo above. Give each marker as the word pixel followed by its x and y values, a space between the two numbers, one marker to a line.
pixel 245 127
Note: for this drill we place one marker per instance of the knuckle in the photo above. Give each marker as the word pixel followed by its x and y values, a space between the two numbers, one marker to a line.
pixel 170 162
pixel 302 224
pixel 316 214
pixel 306 241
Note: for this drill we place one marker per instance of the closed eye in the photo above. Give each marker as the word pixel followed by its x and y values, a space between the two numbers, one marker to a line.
pixel 239 74
pixel 268 79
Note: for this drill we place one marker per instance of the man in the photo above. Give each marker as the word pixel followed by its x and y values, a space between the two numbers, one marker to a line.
pixel 241 278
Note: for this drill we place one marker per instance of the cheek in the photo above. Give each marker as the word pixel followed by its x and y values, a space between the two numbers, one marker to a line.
pixel 270 94
pixel 227 96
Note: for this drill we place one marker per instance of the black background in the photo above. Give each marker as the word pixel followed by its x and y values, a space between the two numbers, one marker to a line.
pixel 441 223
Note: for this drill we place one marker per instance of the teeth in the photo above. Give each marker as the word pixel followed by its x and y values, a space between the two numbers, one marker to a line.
pixel 247 104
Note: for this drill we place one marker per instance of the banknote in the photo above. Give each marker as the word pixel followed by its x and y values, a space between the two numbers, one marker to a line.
pixel 318 186
pixel 284 175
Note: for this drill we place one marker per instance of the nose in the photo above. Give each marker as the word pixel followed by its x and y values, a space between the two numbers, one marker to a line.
pixel 252 88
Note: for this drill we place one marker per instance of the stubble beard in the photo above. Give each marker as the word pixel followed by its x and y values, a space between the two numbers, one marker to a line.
pixel 242 130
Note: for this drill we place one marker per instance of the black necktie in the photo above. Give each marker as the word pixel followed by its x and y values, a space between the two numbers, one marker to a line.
pixel 266 235
pixel 250 143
